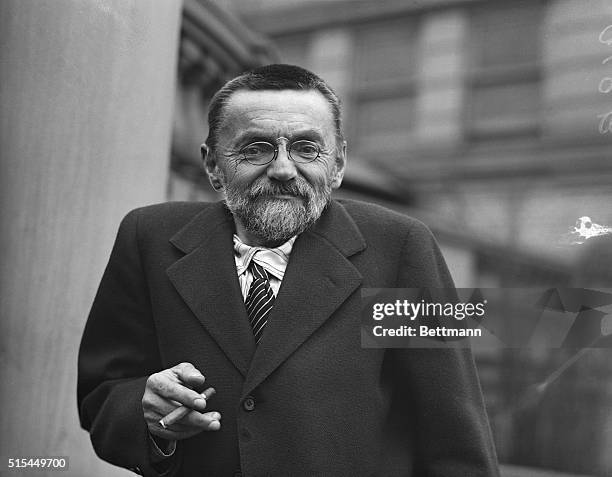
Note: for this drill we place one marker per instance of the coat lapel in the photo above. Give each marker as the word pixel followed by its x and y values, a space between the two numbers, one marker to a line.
pixel 206 279
pixel 319 278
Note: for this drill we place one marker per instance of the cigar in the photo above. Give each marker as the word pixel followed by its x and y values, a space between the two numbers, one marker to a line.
pixel 181 411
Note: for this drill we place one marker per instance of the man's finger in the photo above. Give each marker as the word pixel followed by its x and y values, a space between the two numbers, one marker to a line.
pixel 192 424
pixel 180 412
pixel 166 388
pixel 189 374
pixel 156 405
pixel 210 421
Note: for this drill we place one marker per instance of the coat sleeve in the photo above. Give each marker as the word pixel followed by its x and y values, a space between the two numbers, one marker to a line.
pixel 440 385
pixel 117 354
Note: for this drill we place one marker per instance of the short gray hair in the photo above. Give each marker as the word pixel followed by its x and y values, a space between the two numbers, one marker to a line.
pixel 271 77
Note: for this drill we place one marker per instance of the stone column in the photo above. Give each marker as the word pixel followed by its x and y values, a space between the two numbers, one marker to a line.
pixel 86 96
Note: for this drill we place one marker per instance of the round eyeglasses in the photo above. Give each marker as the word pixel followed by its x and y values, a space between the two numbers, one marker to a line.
pixel 262 153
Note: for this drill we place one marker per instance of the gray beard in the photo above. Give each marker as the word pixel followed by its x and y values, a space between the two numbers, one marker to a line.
pixel 275 221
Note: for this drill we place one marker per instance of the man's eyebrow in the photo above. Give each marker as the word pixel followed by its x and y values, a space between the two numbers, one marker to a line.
pixel 309 134
pixel 252 135
pixel 248 137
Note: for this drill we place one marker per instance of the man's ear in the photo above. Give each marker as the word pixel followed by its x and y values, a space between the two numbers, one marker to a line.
pixel 209 160
pixel 339 166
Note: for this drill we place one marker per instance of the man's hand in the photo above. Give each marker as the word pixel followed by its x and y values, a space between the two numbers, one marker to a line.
pixel 173 387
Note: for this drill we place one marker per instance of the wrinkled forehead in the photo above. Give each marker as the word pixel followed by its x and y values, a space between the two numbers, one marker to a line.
pixel 278 112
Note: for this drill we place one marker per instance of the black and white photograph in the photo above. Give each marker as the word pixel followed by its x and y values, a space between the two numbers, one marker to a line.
pixel 306 238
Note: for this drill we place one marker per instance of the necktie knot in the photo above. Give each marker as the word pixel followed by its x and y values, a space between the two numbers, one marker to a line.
pixel 259 272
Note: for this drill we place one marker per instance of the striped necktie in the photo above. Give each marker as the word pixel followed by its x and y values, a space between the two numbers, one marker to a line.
pixel 260 299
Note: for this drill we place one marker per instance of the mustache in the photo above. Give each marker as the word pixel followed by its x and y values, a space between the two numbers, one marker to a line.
pixel 295 188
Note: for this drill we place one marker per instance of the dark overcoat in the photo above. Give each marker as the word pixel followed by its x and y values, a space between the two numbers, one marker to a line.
pixel 323 405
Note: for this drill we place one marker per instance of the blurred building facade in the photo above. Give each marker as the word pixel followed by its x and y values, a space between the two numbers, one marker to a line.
pixel 488 120
pixel 483 117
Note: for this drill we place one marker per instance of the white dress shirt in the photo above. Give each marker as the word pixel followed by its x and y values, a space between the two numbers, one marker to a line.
pixel 274 260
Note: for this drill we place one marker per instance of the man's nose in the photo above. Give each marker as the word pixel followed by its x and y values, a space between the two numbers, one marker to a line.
pixel 282 168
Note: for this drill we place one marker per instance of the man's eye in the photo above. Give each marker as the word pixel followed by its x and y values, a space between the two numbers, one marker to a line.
pixel 256 149
pixel 251 151
pixel 305 148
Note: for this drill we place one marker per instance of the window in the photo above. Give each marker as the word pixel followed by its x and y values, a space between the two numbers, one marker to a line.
pixel 504 74
pixel 294 49
pixel 383 92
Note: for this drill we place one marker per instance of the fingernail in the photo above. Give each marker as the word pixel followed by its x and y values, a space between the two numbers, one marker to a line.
pixel 199 402
pixel 216 416
pixel 214 426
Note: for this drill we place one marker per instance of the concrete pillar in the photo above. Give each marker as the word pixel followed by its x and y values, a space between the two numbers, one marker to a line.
pixel 86 95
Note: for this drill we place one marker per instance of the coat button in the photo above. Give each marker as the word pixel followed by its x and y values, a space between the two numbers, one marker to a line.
pixel 248 403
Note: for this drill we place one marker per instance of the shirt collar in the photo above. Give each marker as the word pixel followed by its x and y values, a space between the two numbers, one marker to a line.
pixel 274 260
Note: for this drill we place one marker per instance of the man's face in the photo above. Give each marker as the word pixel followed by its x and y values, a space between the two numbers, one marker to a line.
pixel 275 201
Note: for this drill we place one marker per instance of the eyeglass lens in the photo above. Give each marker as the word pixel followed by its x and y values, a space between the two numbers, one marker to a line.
pixel 259 153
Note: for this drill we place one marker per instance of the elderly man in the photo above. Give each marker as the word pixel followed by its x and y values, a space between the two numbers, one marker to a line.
pixel 258 298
